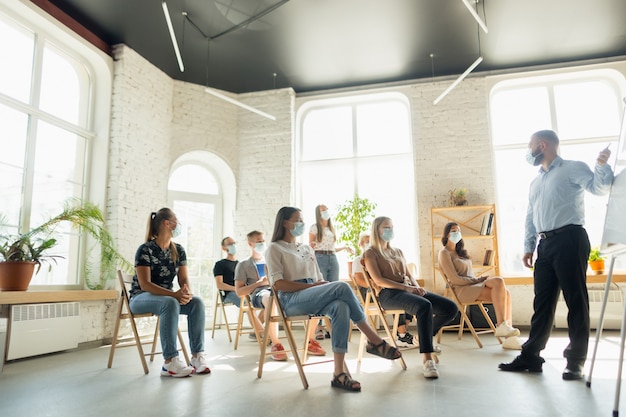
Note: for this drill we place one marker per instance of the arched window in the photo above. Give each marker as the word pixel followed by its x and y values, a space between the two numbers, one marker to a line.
pixel 201 189
pixel 584 108
pixel 359 144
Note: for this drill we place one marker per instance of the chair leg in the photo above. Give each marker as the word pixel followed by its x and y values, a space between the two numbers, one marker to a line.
pixel 266 335
pixel 183 348
pixel 230 338
pixel 155 338
pixel 240 323
pixel 142 356
pixel 217 301
pixel 115 334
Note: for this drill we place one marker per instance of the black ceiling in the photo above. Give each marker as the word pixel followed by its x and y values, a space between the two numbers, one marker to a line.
pixel 320 44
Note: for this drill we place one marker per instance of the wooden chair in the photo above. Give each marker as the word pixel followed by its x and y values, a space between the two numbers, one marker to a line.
pixel 219 304
pixel 124 313
pixel 299 353
pixel 465 319
pixel 246 307
pixel 375 312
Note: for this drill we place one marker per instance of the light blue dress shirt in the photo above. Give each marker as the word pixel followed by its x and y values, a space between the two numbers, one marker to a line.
pixel 556 197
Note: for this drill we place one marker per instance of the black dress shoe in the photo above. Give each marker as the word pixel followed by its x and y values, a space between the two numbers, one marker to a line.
pixel 573 372
pixel 522 364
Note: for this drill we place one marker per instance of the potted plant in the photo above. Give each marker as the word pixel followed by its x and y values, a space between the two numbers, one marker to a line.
pixel 21 253
pixel 354 217
pixel 596 261
pixel 457 197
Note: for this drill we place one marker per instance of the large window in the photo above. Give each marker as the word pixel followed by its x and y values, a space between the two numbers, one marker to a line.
pixel 584 108
pixel 45 102
pixel 358 145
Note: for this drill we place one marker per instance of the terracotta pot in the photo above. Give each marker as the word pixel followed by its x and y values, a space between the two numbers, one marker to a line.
pixel 16 276
pixel 597 266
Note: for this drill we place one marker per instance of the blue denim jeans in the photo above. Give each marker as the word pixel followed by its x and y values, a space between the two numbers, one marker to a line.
pixel 335 300
pixel 432 312
pixel 169 309
pixel 328 266
pixel 231 297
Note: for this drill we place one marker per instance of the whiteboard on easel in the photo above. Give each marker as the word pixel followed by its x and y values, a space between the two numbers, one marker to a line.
pixel 614 234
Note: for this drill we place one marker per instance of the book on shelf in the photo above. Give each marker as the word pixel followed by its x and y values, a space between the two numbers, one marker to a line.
pixel 488 259
pixel 487 223
pixel 483 228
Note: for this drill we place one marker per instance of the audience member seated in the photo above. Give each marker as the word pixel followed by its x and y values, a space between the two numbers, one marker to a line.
pixel 295 275
pixel 398 290
pixel 455 263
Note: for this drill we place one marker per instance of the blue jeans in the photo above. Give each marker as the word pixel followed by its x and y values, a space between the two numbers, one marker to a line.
pixel 231 297
pixel 432 312
pixel 169 309
pixel 328 266
pixel 335 300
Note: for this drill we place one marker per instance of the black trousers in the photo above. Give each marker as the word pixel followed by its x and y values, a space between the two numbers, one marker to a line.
pixel 561 265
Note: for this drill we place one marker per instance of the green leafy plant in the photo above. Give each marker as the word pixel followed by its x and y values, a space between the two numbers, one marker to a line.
pixel 594 255
pixel 354 217
pixel 34 245
pixel 457 196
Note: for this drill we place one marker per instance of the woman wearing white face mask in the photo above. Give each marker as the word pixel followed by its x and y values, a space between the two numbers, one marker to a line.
pixel 322 239
pixel 398 290
pixel 457 266
pixel 158 262
pixel 295 275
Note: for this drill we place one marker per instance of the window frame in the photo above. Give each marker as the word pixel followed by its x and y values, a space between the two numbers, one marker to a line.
pixel 92 123
pixel 549 80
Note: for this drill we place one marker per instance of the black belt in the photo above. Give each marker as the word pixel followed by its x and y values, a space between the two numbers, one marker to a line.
pixel 550 233
pixel 325 252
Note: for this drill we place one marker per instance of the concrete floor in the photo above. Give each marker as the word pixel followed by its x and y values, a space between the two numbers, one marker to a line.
pixel 78 383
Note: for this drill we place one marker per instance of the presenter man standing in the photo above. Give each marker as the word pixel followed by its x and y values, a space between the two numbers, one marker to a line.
pixel 556 216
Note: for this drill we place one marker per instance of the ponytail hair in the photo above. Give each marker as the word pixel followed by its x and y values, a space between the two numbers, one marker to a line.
pixel 155 222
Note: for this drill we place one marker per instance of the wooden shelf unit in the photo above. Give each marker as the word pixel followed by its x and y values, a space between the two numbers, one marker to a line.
pixel 470 220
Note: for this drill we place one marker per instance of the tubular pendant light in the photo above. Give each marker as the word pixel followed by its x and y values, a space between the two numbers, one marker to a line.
pixel 179 58
pixel 238 103
pixel 475 15
pixel 458 80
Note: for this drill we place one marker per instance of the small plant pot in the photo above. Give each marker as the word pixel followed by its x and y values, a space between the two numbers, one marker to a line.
pixel 597 266
pixel 16 276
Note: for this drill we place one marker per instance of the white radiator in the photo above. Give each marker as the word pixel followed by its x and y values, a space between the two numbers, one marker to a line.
pixel 37 329
pixel 612 315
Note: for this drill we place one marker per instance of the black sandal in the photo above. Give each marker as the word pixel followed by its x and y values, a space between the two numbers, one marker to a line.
pixel 345 381
pixel 384 350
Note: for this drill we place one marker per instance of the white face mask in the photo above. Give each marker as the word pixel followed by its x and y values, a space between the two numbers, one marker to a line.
pixel 455 237
pixel 259 247
pixel 387 234
pixel 232 249
pixel 298 229
pixel 533 159
pixel 325 214
pixel 177 230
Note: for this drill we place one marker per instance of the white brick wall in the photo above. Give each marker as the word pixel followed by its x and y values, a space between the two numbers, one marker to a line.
pixel 452 150
pixel 139 158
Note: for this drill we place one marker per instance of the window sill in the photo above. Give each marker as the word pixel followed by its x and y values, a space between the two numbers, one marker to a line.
pixel 36 296
pixel 591 279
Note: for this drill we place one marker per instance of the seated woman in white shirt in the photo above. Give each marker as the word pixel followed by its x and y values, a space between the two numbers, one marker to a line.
pixel 455 263
pixel 296 277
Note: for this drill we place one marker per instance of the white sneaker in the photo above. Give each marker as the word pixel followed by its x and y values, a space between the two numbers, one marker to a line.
pixel 512 343
pixel 199 364
pixel 504 330
pixel 176 368
pixel 430 370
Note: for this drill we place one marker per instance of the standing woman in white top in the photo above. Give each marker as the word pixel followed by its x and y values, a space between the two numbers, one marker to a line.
pixel 295 275
pixel 322 239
